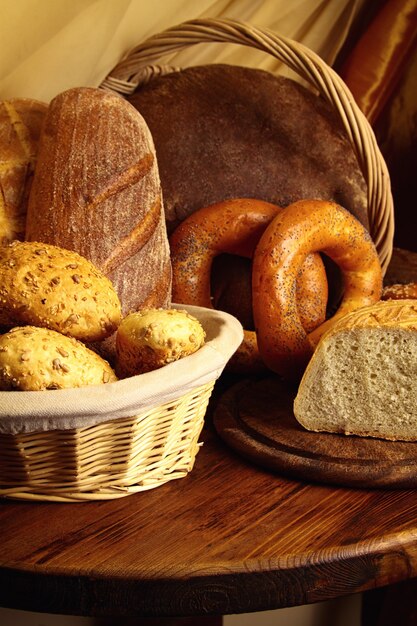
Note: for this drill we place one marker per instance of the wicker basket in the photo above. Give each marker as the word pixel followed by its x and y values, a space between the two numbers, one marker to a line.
pixel 110 453
pixel 139 67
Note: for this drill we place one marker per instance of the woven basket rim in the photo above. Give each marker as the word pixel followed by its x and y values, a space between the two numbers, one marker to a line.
pixel 141 64
pixel 67 409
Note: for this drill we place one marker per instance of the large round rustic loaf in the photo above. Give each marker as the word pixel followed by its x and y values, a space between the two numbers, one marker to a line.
pixel 223 131
pixel 96 190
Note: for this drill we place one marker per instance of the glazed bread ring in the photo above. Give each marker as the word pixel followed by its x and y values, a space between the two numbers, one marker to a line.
pixel 302 228
pixel 235 227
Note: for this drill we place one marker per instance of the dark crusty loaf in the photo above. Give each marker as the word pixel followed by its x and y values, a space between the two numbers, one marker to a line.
pixel 96 190
pixel 223 131
pixel 20 126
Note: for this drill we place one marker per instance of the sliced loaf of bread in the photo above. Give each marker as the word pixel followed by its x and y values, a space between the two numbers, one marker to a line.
pixel 362 378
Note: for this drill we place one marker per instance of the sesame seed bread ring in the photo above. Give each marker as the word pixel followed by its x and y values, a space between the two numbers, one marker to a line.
pixel 36 359
pixel 148 339
pixel 302 228
pixel 51 287
pixel 235 227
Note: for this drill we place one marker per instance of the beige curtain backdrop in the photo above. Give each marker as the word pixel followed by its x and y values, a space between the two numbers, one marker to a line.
pixel 48 46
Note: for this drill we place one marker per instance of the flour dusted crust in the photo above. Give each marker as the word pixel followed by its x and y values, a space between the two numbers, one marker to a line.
pixel 51 287
pixel 223 131
pixel 361 379
pixel 148 339
pixel 21 121
pixel 96 190
pixel 37 359
pixel 400 291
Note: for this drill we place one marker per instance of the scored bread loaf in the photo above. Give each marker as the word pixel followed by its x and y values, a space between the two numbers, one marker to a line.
pixel 20 126
pixel 96 190
pixel 362 377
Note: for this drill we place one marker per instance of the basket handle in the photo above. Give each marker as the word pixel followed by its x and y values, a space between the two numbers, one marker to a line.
pixel 138 67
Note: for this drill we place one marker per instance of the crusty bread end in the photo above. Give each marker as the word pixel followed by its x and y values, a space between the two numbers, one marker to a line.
pixel 362 378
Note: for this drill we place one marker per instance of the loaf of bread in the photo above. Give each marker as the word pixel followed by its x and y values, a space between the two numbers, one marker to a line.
pixel 20 126
pixel 361 379
pixel 37 359
pixel 96 190
pixel 223 131
pixel 149 339
pixel 54 288
pixel 400 291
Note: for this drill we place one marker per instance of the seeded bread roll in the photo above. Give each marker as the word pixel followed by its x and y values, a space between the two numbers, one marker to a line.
pixel 55 288
pixel 20 126
pixel 96 190
pixel 361 379
pixel 223 131
pixel 148 339
pixel 36 359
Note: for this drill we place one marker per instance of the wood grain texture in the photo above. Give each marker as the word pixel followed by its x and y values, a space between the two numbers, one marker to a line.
pixel 229 538
pixel 256 419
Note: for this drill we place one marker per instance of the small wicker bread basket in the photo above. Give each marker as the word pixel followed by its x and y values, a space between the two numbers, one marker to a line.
pixel 108 441
pixel 140 66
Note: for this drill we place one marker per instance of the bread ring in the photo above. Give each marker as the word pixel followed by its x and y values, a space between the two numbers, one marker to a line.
pixel 235 227
pixel 302 228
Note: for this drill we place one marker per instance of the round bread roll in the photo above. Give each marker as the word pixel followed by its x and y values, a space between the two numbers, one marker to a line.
pixel 51 287
pixel 148 339
pixel 36 359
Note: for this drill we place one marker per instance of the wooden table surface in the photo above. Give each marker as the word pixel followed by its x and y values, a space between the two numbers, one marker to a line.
pixel 228 538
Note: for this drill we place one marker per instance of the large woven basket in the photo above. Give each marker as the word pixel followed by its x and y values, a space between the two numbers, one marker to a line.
pixel 105 442
pixel 141 65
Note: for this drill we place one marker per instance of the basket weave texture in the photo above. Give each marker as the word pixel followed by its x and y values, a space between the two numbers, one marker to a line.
pixel 113 452
pixel 142 64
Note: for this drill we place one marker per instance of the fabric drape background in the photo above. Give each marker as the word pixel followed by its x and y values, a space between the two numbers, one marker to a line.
pixel 49 46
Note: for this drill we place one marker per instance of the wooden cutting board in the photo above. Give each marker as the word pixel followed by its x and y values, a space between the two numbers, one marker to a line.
pixel 256 419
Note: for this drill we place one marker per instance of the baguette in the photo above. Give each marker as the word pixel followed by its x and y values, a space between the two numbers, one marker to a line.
pixel 96 190
pixel 20 126
pixel 361 379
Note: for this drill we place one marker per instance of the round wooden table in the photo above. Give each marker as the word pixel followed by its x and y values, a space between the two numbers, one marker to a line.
pixel 231 537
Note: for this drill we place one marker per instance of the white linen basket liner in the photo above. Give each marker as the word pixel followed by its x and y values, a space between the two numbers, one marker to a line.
pixel 64 409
